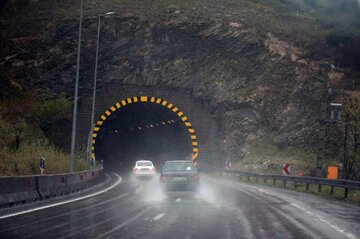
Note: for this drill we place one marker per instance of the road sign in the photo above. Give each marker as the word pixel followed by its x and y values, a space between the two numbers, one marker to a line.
pixel 286 169
pixel 228 164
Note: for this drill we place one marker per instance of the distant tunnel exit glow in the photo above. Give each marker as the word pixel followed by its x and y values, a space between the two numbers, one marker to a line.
pixel 150 100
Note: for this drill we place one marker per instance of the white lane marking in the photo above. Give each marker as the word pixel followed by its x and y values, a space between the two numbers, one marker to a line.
pixel 333 226
pixel 178 200
pixel 125 223
pixel 337 228
pixel 66 223
pixel 64 202
pixel 302 209
pixel 66 213
pixel 316 217
pixel 260 190
pixel 159 216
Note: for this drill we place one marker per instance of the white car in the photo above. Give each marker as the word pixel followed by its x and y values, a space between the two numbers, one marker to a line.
pixel 144 168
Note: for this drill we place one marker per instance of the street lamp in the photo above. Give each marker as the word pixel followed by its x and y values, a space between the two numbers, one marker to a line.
pixel 73 133
pixel 95 77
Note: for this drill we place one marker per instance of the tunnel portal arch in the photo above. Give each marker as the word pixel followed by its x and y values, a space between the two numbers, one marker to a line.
pixel 151 100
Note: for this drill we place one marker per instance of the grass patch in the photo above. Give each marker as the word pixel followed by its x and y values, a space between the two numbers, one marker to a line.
pixel 29 124
pixel 26 160
pixel 263 155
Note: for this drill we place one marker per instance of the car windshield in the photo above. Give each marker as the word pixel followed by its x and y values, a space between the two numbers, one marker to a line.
pixel 179 166
pixel 142 164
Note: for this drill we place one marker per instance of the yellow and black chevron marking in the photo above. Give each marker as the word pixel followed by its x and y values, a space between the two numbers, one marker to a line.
pixel 154 100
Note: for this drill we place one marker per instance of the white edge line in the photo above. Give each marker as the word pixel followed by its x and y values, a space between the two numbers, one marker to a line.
pixel 335 227
pixel 159 216
pixel 64 202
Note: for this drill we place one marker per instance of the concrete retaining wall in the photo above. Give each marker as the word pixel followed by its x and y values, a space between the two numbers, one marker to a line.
pixel 19 190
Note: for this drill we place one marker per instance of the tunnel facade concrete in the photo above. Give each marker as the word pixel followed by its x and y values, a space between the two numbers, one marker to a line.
pixel 197 111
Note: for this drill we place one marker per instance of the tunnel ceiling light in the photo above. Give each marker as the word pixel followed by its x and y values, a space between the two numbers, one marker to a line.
pixel 156 124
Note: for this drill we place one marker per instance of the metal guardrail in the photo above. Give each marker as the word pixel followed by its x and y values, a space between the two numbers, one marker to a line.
pixel 297 180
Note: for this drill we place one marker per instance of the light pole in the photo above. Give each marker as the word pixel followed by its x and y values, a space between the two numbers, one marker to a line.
pixel 73 133
pixel 346 149
pixel 95 77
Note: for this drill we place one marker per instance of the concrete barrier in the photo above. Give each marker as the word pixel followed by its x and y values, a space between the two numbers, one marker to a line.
pixel 52 185
pixel 16 190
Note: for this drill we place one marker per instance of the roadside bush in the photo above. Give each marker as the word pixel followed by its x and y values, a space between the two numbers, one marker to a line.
pixel 7 134
pixel 26 160
pixel 47 112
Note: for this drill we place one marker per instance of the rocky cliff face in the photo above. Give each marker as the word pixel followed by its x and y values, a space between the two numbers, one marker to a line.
pixel 264 71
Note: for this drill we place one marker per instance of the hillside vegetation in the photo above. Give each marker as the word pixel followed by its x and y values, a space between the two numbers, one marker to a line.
pixel 265 65
pixel 31 122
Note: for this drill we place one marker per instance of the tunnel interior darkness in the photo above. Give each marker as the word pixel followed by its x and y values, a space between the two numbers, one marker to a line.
pixel 142 131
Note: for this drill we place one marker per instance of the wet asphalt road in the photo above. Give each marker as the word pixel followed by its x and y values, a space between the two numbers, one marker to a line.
pixel 222 209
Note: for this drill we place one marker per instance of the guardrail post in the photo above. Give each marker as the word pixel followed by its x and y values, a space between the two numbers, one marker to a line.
pixel 332 190
pixel 346 193
pixel 310 182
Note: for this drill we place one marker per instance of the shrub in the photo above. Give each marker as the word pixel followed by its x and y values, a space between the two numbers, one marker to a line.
pixel 47 112
pixel 26 160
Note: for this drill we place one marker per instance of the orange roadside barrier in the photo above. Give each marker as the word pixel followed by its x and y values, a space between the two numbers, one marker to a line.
pixel 333 172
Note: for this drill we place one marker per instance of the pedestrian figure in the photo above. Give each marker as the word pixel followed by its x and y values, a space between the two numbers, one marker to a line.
pixel 42 165
pixel 102 164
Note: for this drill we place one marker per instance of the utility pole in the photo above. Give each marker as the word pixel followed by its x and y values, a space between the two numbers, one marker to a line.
pixel 321 145
pixel 322 132
pixel 346 149
pixel 73 133
pixel 321 141
pixel 94 87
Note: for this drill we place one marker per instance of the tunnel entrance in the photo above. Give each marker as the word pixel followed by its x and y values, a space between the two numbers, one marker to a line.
pixel 143 128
